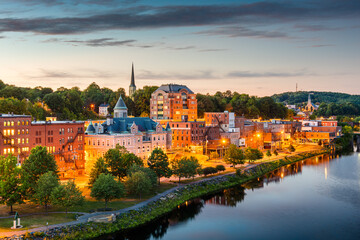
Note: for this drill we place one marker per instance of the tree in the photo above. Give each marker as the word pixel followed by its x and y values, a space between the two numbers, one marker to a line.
pixel 275 152
pixel 107 188
pixel 44 187
pixel 291 148
pixel 119 161
pixel 38 163
pixel 185 167
pixel 234 155
pixel 150 174
pixel 214 155
pixel 159 162
pixel 209 170
pixel 268 153
pixel 253 154
pixel 220 168
pixel 11 191
pixel 99 168
pixel 138 183
pixel 67 195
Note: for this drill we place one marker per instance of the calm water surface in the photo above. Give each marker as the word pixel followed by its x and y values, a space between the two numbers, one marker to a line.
pixel 314 199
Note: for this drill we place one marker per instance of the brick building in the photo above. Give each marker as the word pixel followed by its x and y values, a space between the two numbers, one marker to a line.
pixel 173 101
pixel 64 139
pixel 185 134
pixel 15 134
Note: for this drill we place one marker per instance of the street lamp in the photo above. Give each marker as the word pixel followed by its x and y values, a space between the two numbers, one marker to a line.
pixel 223 147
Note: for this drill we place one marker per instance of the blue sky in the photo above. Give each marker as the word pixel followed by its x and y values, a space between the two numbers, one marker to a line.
pixel 254 47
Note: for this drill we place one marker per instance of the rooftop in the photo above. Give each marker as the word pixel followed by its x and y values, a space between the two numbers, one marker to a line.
pixel 174 88
pixel 56 122
pixel 3 115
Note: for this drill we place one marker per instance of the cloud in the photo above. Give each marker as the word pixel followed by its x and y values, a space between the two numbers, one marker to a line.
pixel 73 2
pixel 149 17
pixel 248 74
pixel 318 46
pixel 148 75
pixel 103 42
pixel 86 73
pixel 316 28
pixel 244 32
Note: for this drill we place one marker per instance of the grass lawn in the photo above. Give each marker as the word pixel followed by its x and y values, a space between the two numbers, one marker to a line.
pixel 36 221
pixel 89 205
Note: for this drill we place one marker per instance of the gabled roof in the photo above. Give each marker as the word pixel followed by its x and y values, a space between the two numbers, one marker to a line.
pixel 120 104
pixel 104 105
pixel 174 88
pixel 122 125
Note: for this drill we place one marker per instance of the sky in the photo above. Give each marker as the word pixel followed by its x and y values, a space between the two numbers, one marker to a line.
pixel 254 47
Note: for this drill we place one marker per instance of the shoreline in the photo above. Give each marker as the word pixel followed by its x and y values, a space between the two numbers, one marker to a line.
pixel 159 205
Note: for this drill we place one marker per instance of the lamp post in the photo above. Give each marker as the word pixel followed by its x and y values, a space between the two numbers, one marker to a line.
pixel 223 147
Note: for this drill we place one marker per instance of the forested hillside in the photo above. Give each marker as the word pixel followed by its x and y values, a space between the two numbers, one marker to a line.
pixel 330 103
pixel 316 97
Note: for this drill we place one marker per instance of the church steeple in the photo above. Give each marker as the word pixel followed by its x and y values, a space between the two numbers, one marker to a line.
pixel 132 87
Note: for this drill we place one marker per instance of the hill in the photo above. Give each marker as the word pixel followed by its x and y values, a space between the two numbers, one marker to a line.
pixel 316 97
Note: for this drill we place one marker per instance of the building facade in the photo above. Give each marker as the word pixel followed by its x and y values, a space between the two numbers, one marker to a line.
pixel 186 134
pixel 175 102
pixel 63 139
pixel 103 110
pixel 139 135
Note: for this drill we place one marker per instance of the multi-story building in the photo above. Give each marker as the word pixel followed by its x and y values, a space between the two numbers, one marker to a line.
pixel 103 109
pixel 175 102
pixel 226 120
pixel 186 134
pixel 63 139
pixel 15 135
pixel 139 135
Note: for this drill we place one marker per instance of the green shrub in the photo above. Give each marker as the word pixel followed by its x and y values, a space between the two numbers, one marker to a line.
pixel 209 170
pixel 220 168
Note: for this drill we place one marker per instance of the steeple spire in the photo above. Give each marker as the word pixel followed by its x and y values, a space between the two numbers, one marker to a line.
pixel 132 84
pixel 132 87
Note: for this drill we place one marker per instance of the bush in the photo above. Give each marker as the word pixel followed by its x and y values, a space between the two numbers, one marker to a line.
pixel 291 148
pixel 220 168
pixel 209 170
pixel 214 155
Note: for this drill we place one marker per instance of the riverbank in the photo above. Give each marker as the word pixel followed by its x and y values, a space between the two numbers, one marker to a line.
pixel 173 198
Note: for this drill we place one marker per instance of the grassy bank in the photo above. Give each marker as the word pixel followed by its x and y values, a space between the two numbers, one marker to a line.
pixel 40 220
pixel 166 204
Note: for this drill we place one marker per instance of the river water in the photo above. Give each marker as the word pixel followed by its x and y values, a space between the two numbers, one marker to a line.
pixel 318 198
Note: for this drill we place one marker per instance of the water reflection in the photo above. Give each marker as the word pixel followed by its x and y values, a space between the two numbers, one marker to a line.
pixel 229 197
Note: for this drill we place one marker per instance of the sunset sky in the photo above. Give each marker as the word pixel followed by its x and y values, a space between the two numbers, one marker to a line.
pixel 254 47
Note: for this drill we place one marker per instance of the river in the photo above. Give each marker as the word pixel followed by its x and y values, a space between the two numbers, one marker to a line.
pixel 318 198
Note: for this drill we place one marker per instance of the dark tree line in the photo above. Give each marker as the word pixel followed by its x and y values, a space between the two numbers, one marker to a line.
pixel 74 103
pixel 241 104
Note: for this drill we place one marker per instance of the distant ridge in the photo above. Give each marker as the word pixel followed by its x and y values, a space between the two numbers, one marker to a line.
pixel 317 97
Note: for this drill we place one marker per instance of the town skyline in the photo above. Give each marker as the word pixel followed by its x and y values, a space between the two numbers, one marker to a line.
pixel 254 47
